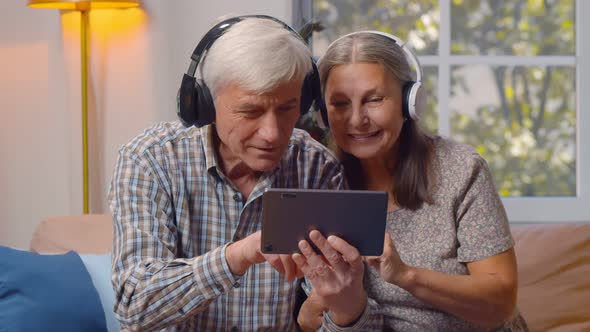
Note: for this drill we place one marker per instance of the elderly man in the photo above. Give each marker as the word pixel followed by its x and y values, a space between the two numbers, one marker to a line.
pixel 186 196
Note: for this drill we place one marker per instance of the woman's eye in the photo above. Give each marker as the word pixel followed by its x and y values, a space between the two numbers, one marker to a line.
pixel 375 100
pixel 286 109
pixel 339 104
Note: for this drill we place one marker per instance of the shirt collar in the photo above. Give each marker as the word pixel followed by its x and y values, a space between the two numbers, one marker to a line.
pixel 207 135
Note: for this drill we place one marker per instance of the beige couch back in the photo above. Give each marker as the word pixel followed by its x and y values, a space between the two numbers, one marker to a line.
pixel 553 265
pixel 554 276
pixel 85 234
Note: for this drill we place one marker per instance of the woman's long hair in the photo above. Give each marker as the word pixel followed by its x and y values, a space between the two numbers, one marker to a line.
pixel 413 152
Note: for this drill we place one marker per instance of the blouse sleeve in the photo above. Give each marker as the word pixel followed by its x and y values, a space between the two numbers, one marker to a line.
pixel 483 229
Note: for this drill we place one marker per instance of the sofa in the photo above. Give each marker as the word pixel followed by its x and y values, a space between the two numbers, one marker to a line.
pixel 553 264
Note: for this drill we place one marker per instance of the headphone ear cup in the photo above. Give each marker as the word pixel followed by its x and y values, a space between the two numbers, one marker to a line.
pixel 205 108
pixel 311 89
pixel 306 95
pixel 406 99
pixel 420 100
pixel 414 100
pixel 194 103
pixel 312 93
pixel 186 101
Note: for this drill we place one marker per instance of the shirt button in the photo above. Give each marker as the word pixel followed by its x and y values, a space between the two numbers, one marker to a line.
pixel 237 197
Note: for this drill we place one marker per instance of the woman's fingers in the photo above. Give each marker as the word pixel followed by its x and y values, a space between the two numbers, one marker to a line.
pixel 387 245
pixel 332 257
pixel 310 255
pixel 314 267
pixel 300 260
pixel 348 252
pixel 374 262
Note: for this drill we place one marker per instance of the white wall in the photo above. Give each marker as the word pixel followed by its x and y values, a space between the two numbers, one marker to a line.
pixel 137 58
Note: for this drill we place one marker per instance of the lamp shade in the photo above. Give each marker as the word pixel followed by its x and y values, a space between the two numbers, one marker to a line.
pixel 83 4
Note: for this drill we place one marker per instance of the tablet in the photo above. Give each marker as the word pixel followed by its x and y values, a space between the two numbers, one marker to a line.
pixel 357 216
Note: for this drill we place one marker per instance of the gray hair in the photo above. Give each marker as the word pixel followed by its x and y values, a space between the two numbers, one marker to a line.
pixel 366 47
pixel 257 54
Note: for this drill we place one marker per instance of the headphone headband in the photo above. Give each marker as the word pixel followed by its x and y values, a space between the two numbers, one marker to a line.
pixel 218 30
pixel 410 55
pixel 413 94
pixel 195 105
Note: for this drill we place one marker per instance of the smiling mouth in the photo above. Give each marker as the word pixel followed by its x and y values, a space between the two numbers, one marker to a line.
pixel 365 136
pixel 271 149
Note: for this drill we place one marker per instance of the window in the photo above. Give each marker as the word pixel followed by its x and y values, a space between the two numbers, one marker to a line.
pixel 506 77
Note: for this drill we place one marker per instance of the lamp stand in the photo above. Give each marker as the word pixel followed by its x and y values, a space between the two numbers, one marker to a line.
pixel 83 6
pixel 84 70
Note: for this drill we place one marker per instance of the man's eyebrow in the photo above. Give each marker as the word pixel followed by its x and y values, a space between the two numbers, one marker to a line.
pixel 247 107
pixel 289 102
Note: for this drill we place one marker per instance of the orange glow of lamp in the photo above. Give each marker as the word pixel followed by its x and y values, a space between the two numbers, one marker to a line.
pixel 83 7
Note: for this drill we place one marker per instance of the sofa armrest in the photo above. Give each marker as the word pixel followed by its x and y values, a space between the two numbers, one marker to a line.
pixel 85 234
pixel 554 276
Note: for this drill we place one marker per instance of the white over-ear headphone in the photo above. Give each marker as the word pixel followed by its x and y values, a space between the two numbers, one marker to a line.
pixel 413 94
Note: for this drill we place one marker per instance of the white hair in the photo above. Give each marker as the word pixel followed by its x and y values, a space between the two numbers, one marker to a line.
pixel 257 54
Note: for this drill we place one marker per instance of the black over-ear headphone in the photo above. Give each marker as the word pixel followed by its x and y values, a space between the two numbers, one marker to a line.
pixel 194 101
pixel 413 94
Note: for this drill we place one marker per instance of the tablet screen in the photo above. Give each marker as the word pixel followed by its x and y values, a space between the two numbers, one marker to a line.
pixel 357 216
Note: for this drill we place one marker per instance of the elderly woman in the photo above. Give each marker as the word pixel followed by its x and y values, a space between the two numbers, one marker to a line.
pixel 448 262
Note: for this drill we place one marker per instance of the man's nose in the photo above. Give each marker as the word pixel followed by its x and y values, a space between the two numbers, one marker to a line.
pixel 270 128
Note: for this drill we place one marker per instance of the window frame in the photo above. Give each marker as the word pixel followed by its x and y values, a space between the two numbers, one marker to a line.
pixel 519 209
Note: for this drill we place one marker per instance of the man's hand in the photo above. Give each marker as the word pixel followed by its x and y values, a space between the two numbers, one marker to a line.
pixel 242 254
pixel 284 264
pixel 311 313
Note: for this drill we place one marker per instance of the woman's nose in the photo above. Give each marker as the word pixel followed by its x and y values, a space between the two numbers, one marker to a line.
pixel 359 116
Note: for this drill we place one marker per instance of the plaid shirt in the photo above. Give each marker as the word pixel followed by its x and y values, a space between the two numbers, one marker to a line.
pixel 175 212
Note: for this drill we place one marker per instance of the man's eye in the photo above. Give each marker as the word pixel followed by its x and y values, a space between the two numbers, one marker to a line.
pixel 249 114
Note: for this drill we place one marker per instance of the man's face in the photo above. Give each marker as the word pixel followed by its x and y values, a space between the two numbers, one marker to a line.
pixel 254 129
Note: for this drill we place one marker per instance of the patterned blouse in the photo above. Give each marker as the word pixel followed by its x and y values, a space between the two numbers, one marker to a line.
pixel 467 222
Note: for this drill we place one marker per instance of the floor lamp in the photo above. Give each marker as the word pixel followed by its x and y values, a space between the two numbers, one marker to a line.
pixel 83 6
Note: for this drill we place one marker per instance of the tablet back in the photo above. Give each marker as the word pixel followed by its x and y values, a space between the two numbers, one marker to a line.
pixel 357 216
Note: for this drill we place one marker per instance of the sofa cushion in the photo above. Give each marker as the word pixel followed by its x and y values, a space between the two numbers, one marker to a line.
pixel 85 234
pixel 47 292
pixel 99 268
pixel 554 276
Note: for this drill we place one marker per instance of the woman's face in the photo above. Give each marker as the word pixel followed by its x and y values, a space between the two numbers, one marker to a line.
pixel 364 109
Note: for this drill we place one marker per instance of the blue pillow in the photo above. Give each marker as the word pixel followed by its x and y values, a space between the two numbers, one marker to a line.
pixel 99 267
pixel 47 292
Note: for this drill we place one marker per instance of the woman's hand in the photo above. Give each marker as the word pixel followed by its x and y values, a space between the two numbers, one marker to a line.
pixel 390 266
pixel 337 279
pixel 311 313
pixel 486 296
